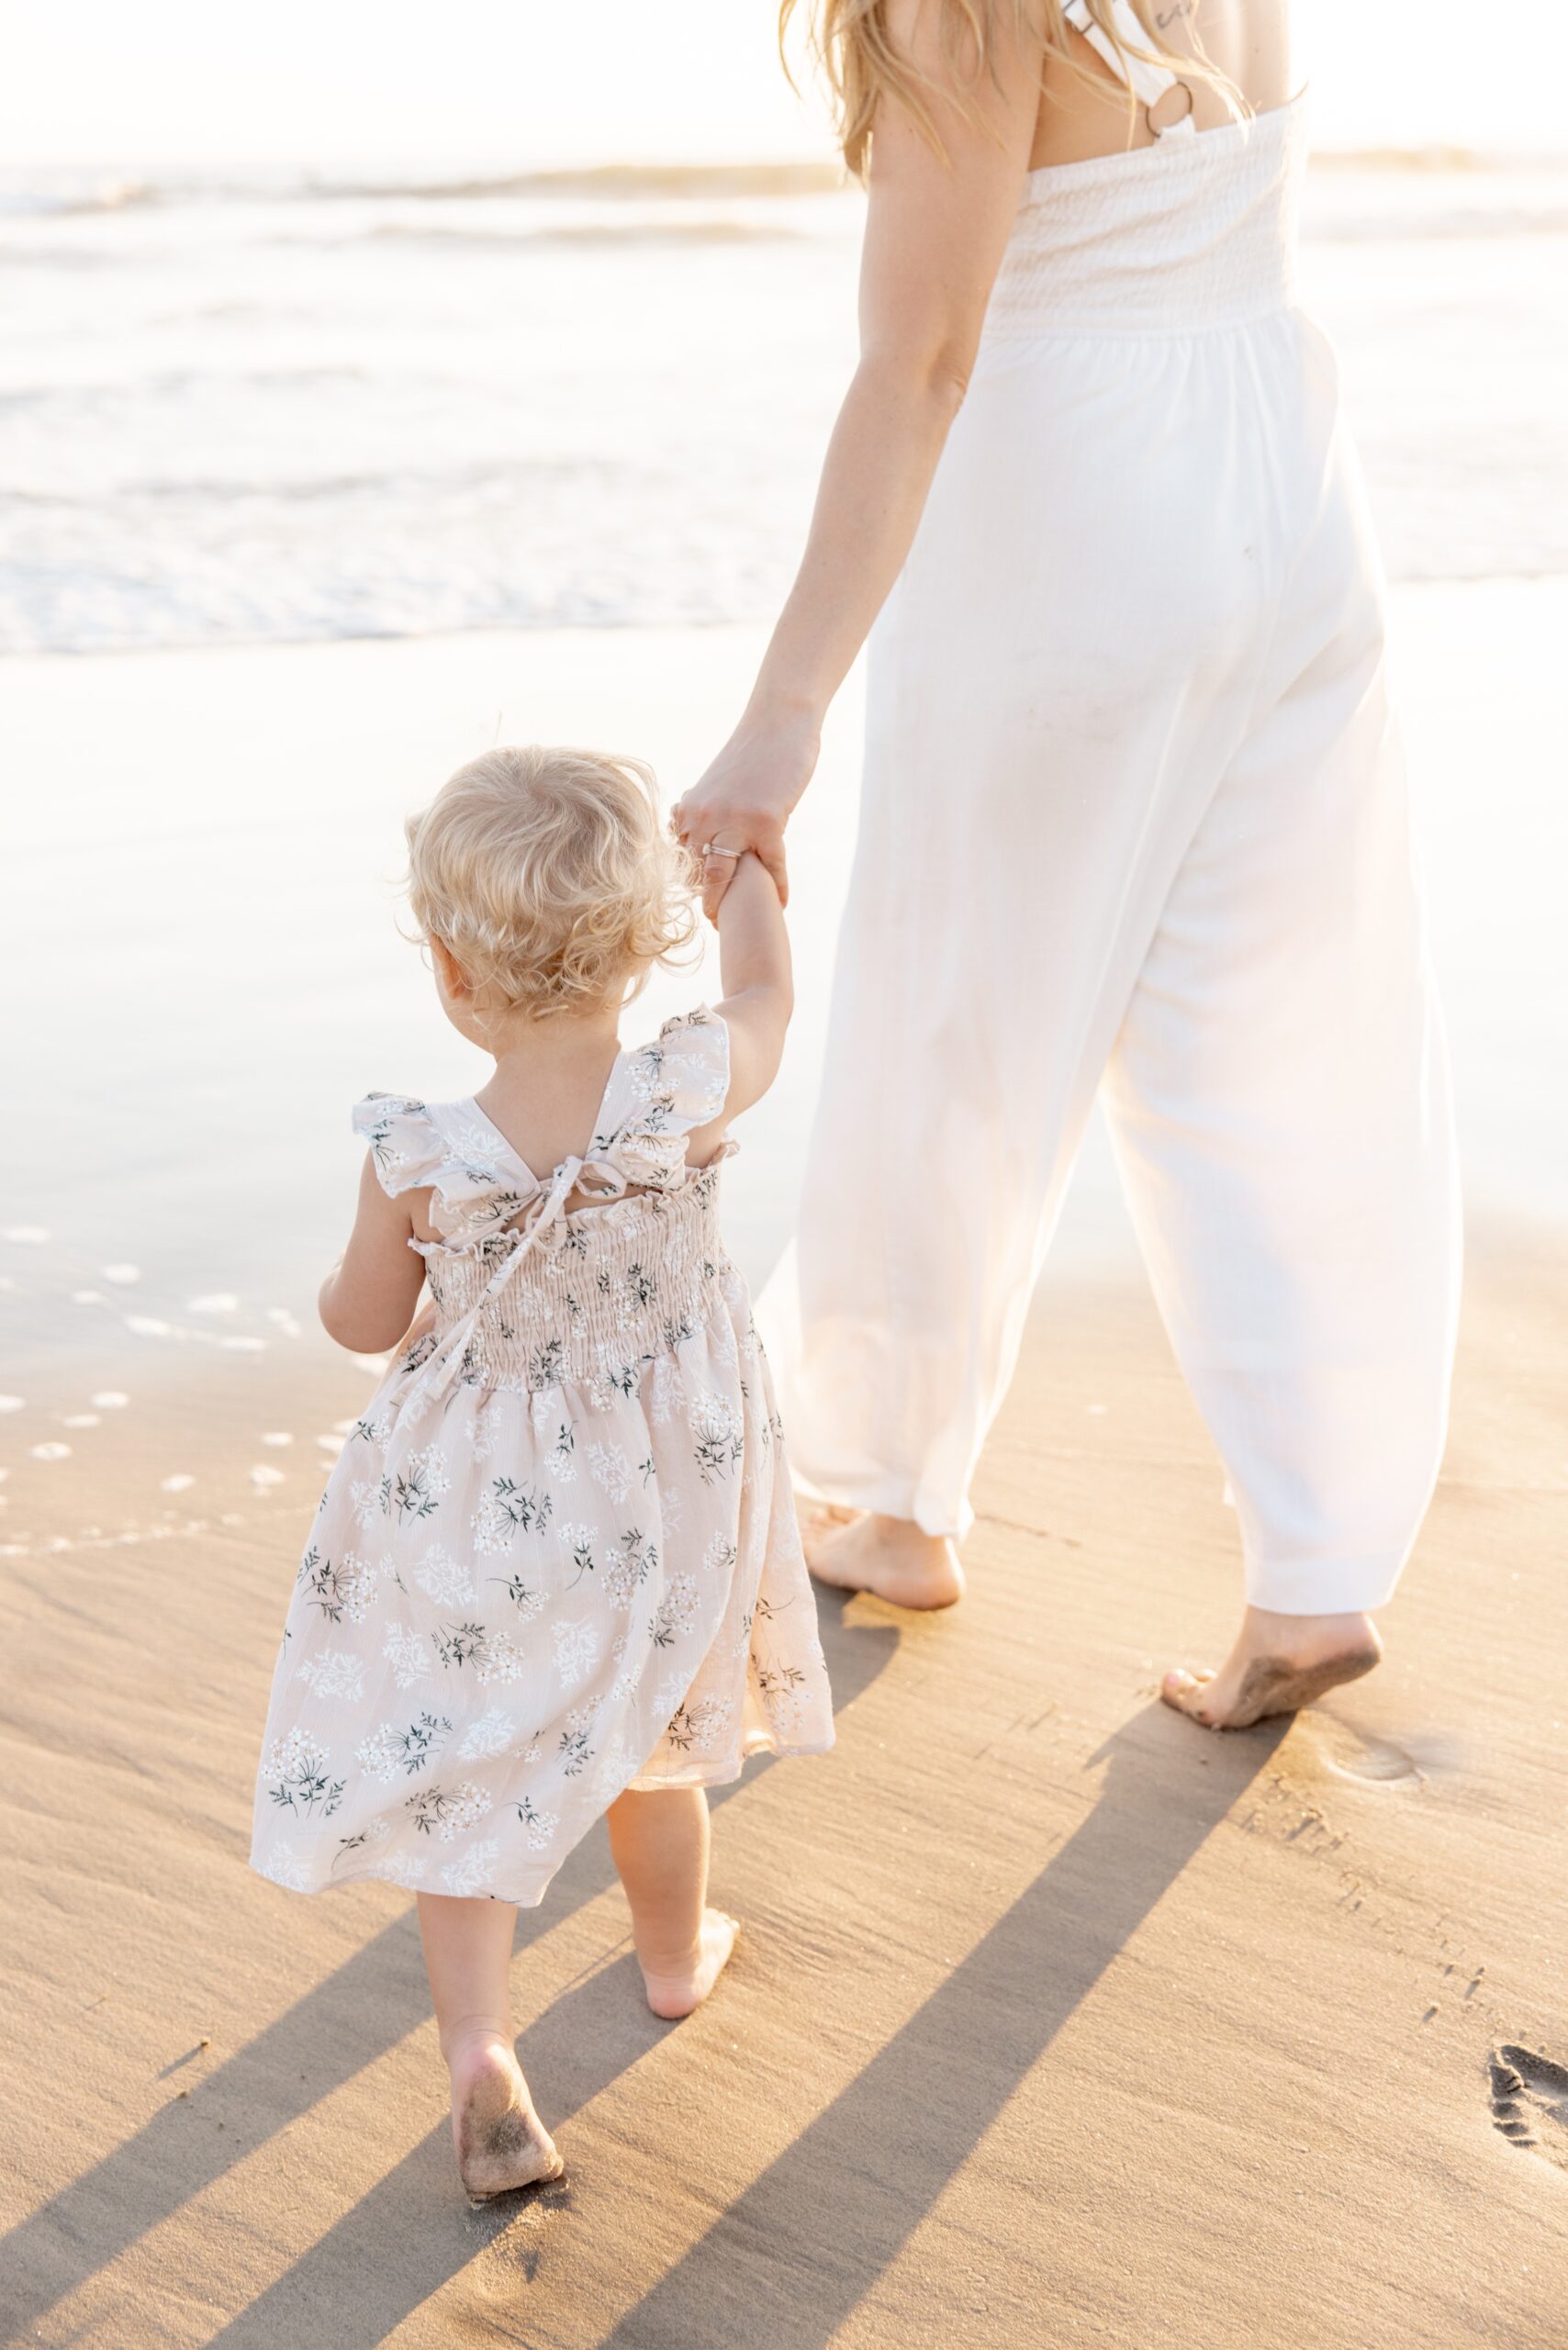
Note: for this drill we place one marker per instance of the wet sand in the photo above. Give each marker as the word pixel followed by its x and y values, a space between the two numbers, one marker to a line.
pixel 1054 2019
pixel 1054 2022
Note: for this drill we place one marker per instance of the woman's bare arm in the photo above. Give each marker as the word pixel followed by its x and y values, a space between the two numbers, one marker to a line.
pixel 936 228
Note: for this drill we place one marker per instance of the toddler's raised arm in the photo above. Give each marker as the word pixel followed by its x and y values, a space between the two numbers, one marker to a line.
pixel 760 996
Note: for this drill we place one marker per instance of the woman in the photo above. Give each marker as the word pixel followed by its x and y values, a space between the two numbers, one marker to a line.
pixel 1133 816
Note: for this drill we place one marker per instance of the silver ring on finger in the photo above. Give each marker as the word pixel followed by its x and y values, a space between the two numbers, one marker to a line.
pixel 712 851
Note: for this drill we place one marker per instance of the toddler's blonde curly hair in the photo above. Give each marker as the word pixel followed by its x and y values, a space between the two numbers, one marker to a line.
pixel 549 877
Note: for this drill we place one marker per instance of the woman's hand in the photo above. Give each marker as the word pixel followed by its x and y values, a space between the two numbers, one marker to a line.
pixel 748 797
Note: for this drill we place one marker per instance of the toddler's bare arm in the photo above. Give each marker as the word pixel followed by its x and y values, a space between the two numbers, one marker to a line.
pixel 368 1298
pixel 760 996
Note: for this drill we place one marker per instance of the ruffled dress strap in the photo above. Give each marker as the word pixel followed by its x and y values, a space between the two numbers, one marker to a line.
pixel 660 1093
pixel 417 1146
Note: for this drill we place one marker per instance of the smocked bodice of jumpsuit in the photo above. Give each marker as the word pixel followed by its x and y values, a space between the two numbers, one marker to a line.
pixel 1135 824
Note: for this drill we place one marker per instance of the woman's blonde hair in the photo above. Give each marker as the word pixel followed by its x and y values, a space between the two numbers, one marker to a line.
pixel 550 879
pixel 862 63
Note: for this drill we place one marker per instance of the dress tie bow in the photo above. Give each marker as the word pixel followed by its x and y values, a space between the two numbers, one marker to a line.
pixel 603 1181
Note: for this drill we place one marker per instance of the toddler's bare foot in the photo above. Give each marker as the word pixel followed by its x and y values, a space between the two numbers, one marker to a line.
pixel 858 1551
pixel 675 1988
pixel 1279 1663
pixel 501 2142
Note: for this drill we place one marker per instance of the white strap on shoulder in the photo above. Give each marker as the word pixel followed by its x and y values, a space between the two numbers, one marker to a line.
pixel 1148 84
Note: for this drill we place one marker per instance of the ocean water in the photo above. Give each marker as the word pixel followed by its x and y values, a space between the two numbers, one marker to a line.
pixel 254 410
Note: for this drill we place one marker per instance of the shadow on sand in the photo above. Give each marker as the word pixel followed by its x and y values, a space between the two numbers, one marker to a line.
pixel 360 2012
pixel 867 2175
pixel 871 2165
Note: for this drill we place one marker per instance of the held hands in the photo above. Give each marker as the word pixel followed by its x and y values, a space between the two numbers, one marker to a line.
pixel 745 801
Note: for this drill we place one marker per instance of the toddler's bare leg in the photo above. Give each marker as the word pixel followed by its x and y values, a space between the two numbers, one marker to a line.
pixel 660 1844
pixel 500 2140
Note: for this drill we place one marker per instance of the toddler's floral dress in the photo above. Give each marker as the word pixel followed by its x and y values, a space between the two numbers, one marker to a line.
pixel 558 1556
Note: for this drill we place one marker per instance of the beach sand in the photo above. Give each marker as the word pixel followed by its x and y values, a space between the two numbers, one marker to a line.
pixel 1054 2022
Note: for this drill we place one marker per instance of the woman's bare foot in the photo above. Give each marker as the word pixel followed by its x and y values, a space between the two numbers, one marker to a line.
pixel 858 1551
pixel 675 1987
pixel 501 2142
pixel 1279 1663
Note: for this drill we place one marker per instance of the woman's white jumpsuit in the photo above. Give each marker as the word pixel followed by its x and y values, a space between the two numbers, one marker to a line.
pixel 1135 820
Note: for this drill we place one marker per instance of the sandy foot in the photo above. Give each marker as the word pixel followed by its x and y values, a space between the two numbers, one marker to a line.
pixel 674 1992
pixel 501 2142
pixel 855 1551
pixel 1279 1664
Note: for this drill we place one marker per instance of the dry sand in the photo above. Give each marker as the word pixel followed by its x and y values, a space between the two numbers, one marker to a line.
pixel 1054 2022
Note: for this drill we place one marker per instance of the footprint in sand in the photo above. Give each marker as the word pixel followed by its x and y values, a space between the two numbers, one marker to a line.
pixel 1529 2102
pixel 1356 1753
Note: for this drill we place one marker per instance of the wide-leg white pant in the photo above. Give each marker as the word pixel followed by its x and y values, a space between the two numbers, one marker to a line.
pixel 1135 817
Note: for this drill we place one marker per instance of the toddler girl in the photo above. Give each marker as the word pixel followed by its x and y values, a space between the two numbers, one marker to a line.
pixel 556 1572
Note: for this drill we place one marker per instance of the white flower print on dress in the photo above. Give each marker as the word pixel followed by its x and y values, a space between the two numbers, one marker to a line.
pixel 371 1500
pixel 474 1871
pixel 527 1597
pixel 334 1673
pixel 298 1775
pixel 492 1656
pixel 699 1723
pixel 417 1487
pixel 539 1826
pixel 720 1555
pixel 445 1812
pixel 668 1390
pixel 340 1589
pixel 441 1578
pixel 617 1765
pixel 285 1866
pixel 373 1430
pixel 575 1749
pixel 407 1654
pixel 625 1683
pixel 669 1695
pixel 489 1428
pixel 492 1734
pixel 609 1468
pixel 782 1691
pixel 677 1611
pixel 627 1568
pixel 719 1431
pixel 506 1510
pixel 401 1749
pixel 560 1461
pixel 576 1651
pixel 579 1540
pixel 405 1869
